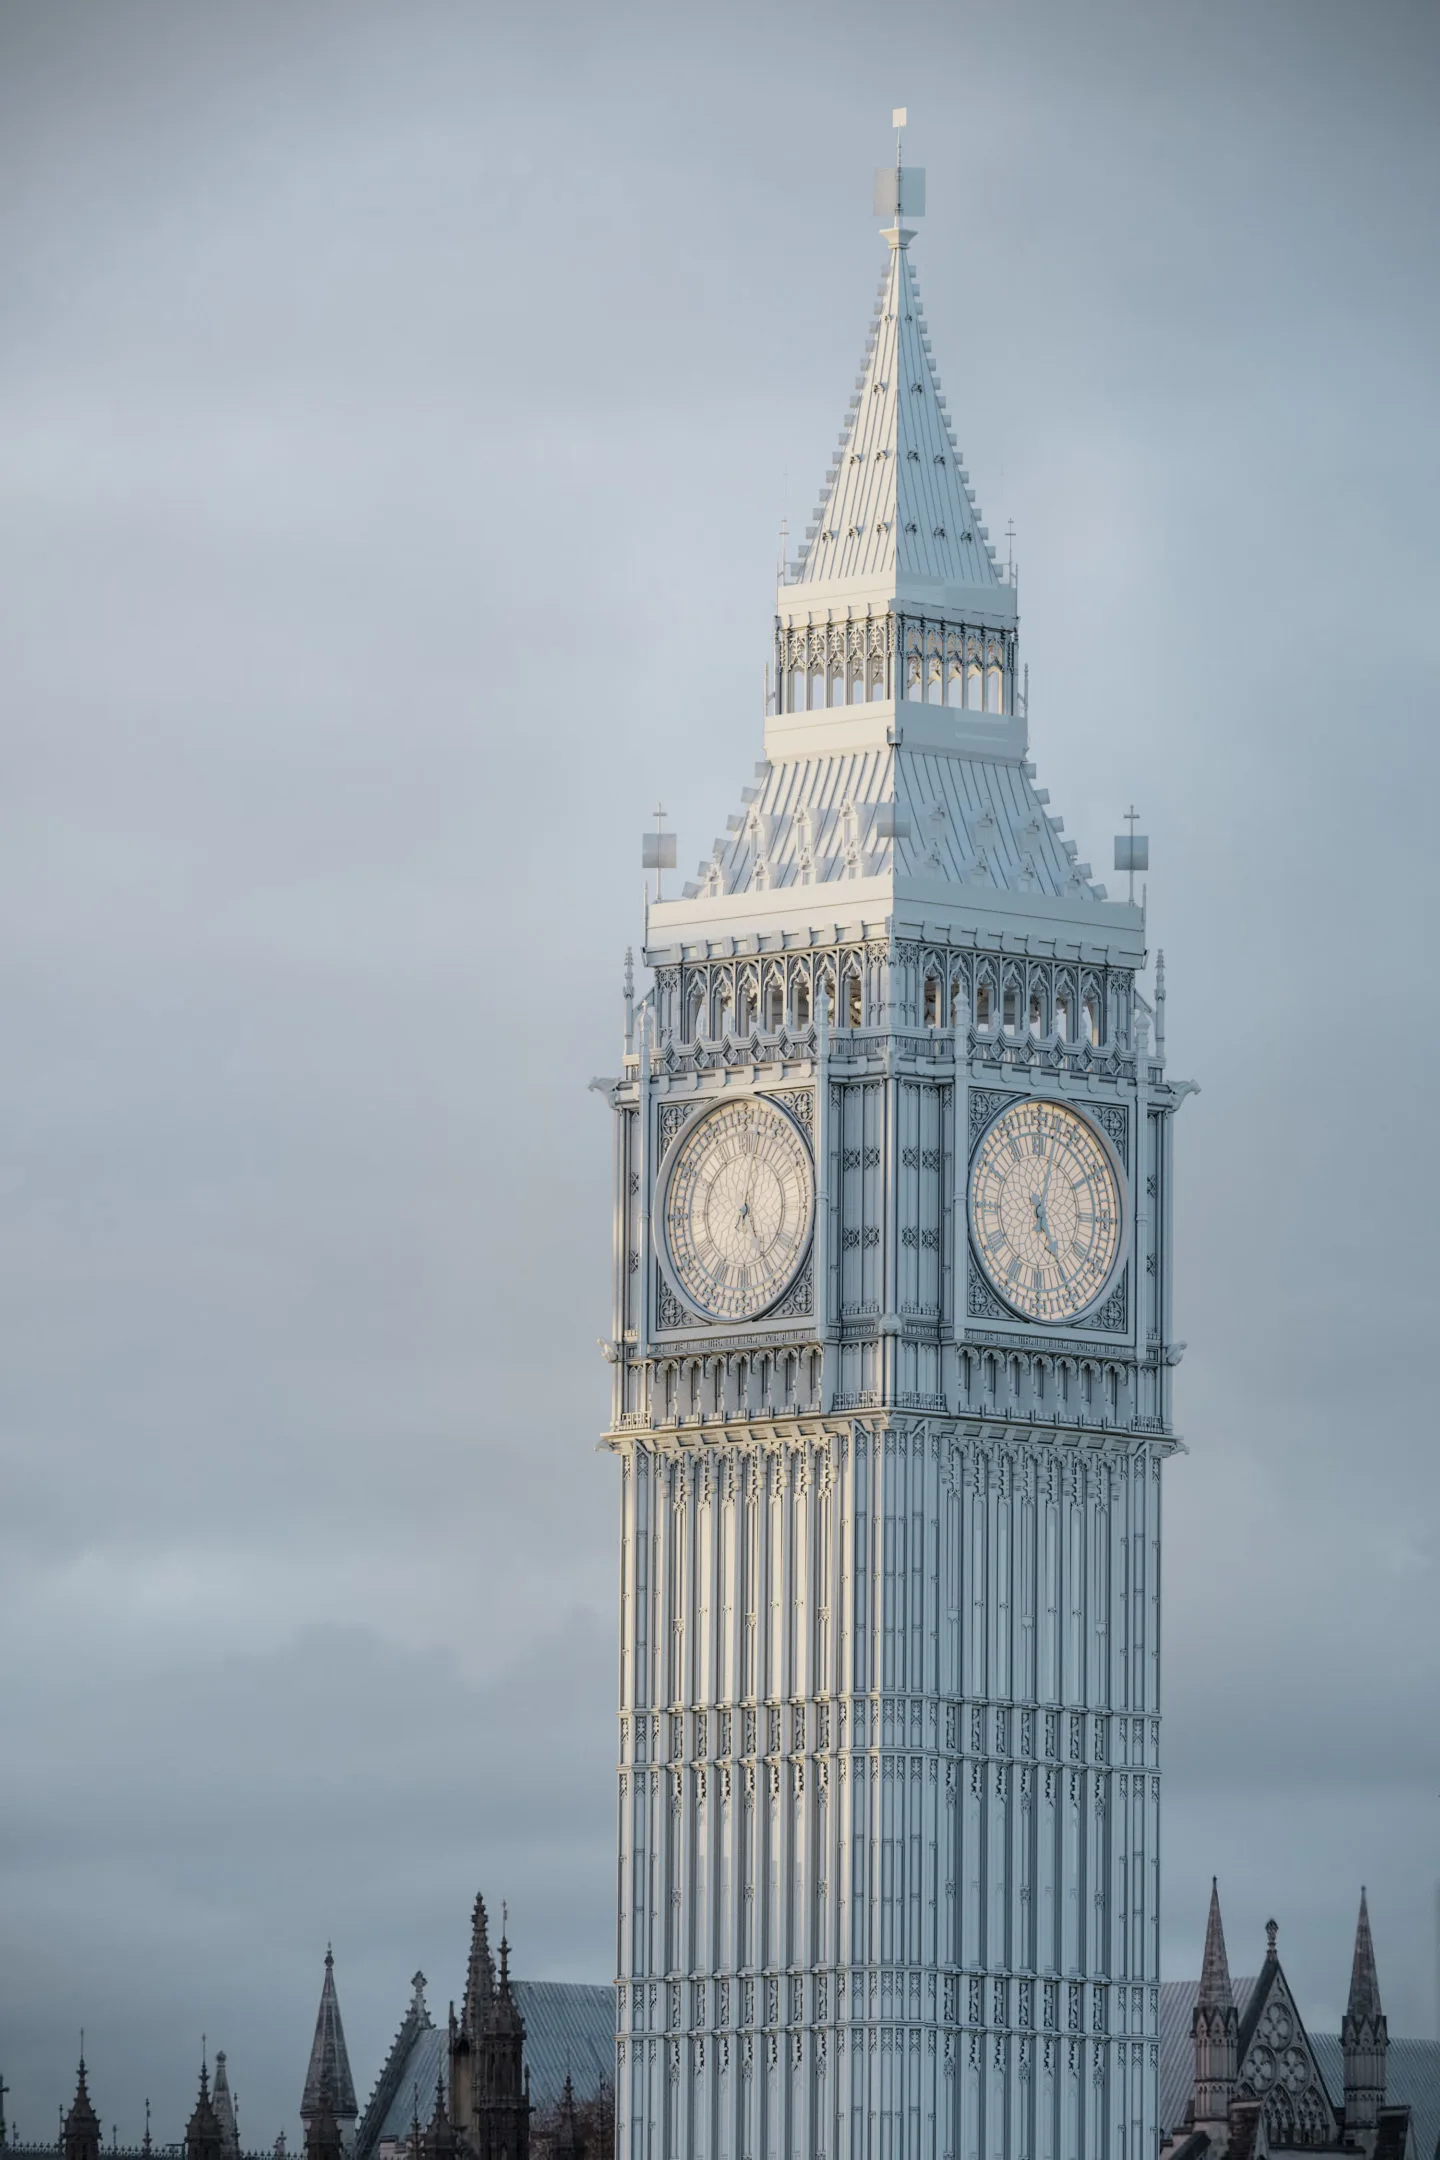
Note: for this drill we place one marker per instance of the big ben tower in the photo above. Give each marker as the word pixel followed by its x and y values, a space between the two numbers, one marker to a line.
pixel 891 1357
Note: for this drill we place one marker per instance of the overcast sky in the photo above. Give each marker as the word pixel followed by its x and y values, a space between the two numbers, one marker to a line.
pixel 399 404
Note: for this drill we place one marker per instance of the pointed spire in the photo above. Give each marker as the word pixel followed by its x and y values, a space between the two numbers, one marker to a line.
pixel 1215 1989
pixel 1214 2029
pixel 896 504
pixel 569 2145
pixel 202 2132
pixel 1364 2034
pixel 329 2058
pixel 224 2106
pixel 480 1975
pixel 324 2139
pixel 146 2143
pixel 80 2131
pixel 1364 1981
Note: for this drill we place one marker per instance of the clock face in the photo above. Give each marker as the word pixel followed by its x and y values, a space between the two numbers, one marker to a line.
pixel 1045 1210
pixel 739 1203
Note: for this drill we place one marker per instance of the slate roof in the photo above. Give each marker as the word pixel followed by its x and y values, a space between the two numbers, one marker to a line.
pixel 569 2031
pixel 972 820
pixel 1412 2071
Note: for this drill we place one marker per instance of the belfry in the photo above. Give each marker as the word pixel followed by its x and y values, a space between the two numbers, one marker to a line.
pixel 891 1352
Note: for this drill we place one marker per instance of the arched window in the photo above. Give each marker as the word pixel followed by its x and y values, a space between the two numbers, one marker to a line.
pixel 1064 1026
pixel 1012 1009
pixel 817 688
pixel 994 690
pixel 857 682
pixel 694 1007
pixel 958 1002
pixel 797 689
pixel 974 685
pixel 722 1010
pixel 932 1001
pixel 1090 1018
pixel 984 1005
pixel 853 1005
pixel 744 1016
pixel 774 1008
pixel 1037 1013
pixel 877 679
pixel 935 688
pixel 802 1004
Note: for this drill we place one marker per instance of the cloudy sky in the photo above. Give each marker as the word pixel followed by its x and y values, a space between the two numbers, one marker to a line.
pixel 397 409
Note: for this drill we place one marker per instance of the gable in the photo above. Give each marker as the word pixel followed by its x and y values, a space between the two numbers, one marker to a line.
pixel 1280 2069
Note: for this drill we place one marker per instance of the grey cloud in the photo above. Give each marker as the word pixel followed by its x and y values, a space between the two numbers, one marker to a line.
pixel 395 421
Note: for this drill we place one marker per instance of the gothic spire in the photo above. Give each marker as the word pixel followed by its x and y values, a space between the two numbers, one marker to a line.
pixel 329 2058
pixel 896 506
pixel 1215 1990
pixel 82 2124
pixel 324 2139
pixel 1364 1981
pixel 202 2132
pixel 569 2145
pixel 1364 2035
pixel 1214 2029
pixel 480 1976
pixel 224 2106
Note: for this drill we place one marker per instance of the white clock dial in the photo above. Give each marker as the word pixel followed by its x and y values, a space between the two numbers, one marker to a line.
pixel 1045 1210
pixel 738 1207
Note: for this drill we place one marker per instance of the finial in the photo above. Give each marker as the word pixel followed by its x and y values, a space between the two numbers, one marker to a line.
pixel 1272 1929
pixel 1132 851
pixel 145 2143
pixel 657 853
pixel 899 193
pixel 329 1956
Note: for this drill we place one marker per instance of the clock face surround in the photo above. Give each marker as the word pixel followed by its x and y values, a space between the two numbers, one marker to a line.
pixel 1046 1210
pixel 738 1207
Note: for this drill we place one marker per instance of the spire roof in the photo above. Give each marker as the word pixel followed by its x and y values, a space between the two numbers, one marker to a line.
pixel 82 2114
pixel 202 2132
pixel 1364 1980
pixel 329 2058
pixel 224 2105
pixel 480 1975
pixel 1215 1989
pixel 896 505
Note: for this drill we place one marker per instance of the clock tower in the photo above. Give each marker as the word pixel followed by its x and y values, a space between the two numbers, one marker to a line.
pixel 891 1354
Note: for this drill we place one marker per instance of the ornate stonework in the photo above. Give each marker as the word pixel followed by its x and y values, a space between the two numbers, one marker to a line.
pixel 889 1712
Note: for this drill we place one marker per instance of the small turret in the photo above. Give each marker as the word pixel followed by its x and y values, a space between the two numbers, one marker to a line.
pixel 1364 2036
pixel 202 2132
pixel 1215 2029
pixel 324 2138
pixel 441 2140
pixel 569 2145
pixel 81 2136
